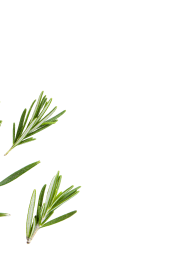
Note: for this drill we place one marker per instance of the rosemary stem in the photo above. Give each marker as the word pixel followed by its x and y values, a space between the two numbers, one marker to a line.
pixel 8 151
pixel 29 239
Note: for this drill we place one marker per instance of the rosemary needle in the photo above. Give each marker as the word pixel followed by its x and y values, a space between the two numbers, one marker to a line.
pixel 14 176
pixel 18 173
pixel 4 214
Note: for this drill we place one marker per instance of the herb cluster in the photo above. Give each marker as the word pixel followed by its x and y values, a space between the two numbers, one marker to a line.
pixel 27 127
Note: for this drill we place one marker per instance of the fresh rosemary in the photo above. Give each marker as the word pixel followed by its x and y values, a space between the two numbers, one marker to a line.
pixel 46 209
pixel 27 127
pixel 38 121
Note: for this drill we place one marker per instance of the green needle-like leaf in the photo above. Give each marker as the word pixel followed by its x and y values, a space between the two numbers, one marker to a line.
pixel 38 121
pixel 59 219
pixel 50 193
pixel 30 214
pixel 15 176
pixel 57 185
pixel 39 130
pixel 26 119
pixel 62 201
pixel 67 190
pixel 35 112
pixel 27 140
pixel 38 215
pixel 62 193
pixel 46 210
pixel 4 214
pixel 57 116
pixel 20 127
pixel 43 103
pixel 13 133
pixel 39 204
pixel 18 173
pixel 41 196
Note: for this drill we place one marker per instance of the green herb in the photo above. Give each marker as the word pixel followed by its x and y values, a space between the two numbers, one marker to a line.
pixel 45 210
pixel 38 121
pixel 4 214
pixel 15 175
pixel 1 120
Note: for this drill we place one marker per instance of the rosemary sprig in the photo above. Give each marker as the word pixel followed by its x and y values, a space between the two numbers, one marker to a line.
pixel 38 121
pixel 1 121
pixel 15 175
pixel 46 209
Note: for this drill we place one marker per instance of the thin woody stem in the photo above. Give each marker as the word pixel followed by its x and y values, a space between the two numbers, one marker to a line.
pixel 10 150
pixel 29 239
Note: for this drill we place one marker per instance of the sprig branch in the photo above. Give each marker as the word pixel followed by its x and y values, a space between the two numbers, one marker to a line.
pixel 38 121
pixel 45 210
